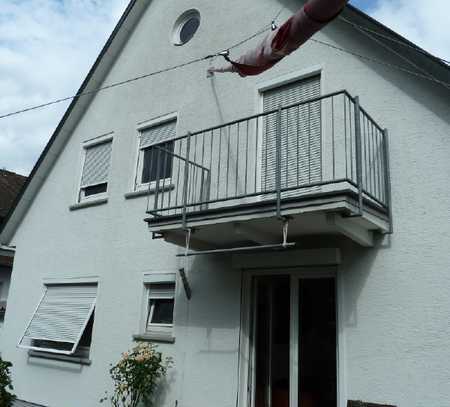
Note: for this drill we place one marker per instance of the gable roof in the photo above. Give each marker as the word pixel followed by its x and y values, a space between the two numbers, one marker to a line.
pixel 135 9
pixel 10 186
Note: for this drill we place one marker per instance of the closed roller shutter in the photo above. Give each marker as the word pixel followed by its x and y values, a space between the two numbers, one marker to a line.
pixel 158 134
pixel 61 318
pixel 300 136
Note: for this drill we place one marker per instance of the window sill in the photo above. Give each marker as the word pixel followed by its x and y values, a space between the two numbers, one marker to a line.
pixel 151 191
pixel 88 204
pixel 61 358
pixel 164 337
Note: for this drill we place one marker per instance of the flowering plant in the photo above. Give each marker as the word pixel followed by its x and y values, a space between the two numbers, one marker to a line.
pixel 6 398
pixel 137 375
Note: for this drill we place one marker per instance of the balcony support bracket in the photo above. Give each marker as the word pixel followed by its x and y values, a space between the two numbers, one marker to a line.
pixel 351 229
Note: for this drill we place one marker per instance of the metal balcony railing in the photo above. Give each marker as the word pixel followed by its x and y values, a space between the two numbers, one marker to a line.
pixel 322 145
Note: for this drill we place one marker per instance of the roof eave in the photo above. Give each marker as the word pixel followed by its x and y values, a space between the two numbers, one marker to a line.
pixel 77 107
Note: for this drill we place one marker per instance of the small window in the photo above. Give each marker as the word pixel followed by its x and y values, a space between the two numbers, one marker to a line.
pixel 156 152
pixel 94 179
pixel 161 300
pixel 185 27
pixel 157 162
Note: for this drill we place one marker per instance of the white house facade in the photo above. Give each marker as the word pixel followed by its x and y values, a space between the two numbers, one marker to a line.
pixel 284 237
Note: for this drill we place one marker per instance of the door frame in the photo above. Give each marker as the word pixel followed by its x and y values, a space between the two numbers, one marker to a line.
pixel 246 372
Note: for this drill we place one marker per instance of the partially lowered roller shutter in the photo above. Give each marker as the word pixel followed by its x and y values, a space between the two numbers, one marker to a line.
pixel 96 164
pixel 300 137
pixel 60 318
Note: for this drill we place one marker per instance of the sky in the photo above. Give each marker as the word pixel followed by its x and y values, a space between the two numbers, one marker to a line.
pixel 48 46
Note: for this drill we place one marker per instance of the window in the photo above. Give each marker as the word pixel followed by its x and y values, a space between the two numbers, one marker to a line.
pixel 161 300
pixel 63 321
pixel 94 178
pixel 156 149
pixel 157 162
pixel 185 27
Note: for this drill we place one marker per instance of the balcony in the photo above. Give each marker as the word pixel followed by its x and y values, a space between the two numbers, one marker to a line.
pixel 322 165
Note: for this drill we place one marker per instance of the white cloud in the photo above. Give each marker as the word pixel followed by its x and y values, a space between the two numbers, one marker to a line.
pixel 425 23
pixel 46 50
pixel 48 46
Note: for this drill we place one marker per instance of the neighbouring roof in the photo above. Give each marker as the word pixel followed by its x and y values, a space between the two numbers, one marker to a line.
pixel 10 186
pixel 421 59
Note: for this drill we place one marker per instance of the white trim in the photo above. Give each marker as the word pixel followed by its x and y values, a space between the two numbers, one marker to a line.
pixel 104 138
pixel 288 78
pixel 157 121
pixel 152 278
pixel 50 282
pixel 181 22
pixel 341 384
pixel 70 280
pixel 140 127
pixel 244 385
pixel 146 314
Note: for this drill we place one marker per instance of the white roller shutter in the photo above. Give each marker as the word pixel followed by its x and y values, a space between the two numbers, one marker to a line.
pixel 162 291
pixel 61 317
pixel 96 164
pixel 158 134
pixel 300 135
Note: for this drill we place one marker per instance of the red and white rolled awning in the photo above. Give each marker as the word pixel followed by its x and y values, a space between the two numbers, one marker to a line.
pixel 286 38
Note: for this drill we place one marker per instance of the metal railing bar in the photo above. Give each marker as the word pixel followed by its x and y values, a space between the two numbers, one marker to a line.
pixel 218 162
pixel 364 112
pixel 246 157
pixel 237 157
pixel 180 157
pixel 256 152
pixel 332 137
pixel 345 136
pixel 228 161
pixel 274 191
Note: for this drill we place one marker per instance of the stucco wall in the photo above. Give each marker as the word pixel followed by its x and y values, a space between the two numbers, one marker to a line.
pixel 395 297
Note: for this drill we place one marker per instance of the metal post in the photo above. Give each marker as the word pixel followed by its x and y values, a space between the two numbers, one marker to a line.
pixel 359 179
pixel 278 163
pixel 387 180
pixel 158 152
pixel 186 177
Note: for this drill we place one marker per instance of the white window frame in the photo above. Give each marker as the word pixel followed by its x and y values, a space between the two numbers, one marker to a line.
pixel 106 138
pixel 138 185
pixel 153 325
pixel 246 371
pixel 148 281
pixel 76 347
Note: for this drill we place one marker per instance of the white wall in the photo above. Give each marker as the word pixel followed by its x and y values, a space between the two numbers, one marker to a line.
pixel 5 279
pixel 396 296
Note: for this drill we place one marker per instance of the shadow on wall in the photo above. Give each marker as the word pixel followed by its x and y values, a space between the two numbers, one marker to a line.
pixel 356 268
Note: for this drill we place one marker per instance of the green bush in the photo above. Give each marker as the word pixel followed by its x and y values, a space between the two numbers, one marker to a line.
pixel 136 376
pixel 6 398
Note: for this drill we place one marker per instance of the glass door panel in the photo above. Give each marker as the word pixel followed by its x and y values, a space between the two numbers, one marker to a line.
pixel 317 343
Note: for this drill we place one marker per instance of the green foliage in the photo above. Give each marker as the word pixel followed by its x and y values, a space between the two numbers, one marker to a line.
pixel 6 398
pixel 137 375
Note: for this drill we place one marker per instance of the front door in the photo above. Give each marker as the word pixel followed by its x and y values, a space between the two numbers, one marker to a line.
pixel 293 342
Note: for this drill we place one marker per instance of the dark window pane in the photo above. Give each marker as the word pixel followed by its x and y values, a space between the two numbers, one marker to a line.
pixel 188 30
pixel 157 162
pixel 86 338
pixel 317 343
pixel 95 189
pixel 163 311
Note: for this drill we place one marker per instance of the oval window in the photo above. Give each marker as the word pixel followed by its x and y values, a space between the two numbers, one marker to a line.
pixel 186 26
